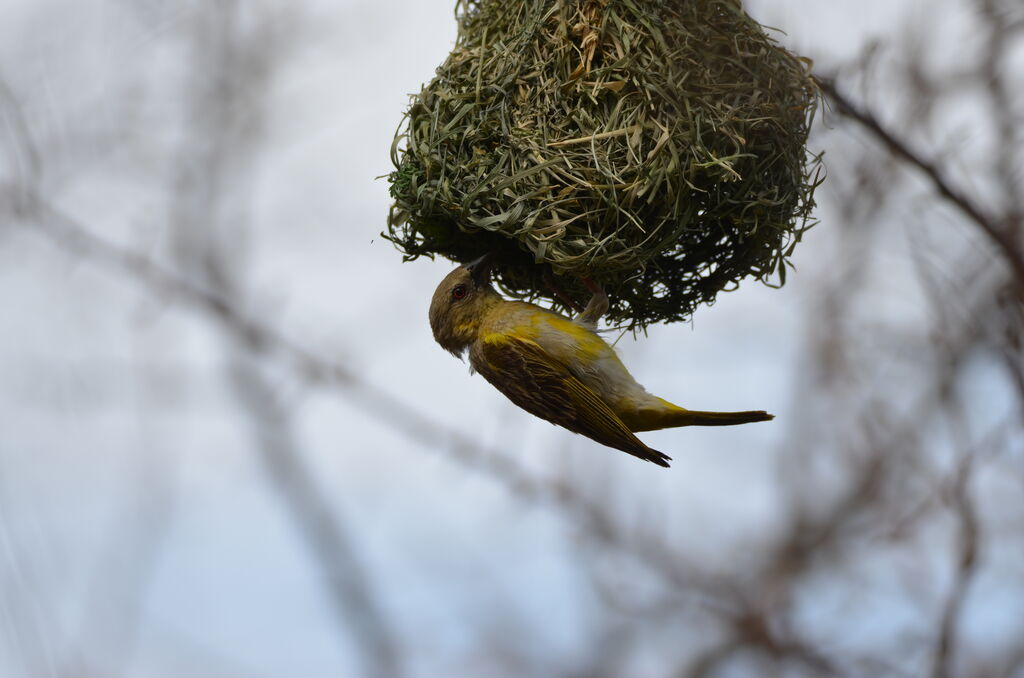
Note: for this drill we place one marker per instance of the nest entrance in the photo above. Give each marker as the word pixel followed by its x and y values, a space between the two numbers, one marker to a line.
pixel 655 147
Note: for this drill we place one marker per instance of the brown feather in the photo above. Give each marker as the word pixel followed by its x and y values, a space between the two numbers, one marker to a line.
pixel 544 387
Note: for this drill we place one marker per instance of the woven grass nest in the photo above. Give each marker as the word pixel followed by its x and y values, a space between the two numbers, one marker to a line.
pixel 655 147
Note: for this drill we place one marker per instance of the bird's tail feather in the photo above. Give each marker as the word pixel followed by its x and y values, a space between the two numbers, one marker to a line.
pixel 695 418
pixel 653 456
pixel 654 419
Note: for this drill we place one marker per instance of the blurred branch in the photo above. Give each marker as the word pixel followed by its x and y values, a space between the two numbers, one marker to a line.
pixel 1000 91
pixel 25 609
pixel 968 537
pixel 233 60
pixel 1001 237
pixel 967 540
pixel 595 517
pixel 315 519
pixel 25 154
pixel 126 569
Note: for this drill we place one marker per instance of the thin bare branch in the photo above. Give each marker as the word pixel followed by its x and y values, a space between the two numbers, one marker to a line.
pixel 997 233
pixel 968 537
pixel 594 516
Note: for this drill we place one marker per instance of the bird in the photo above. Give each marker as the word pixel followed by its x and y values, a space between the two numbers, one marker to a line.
pixel 556 367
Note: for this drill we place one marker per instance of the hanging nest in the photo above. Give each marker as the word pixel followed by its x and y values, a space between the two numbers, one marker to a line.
pixel 656 147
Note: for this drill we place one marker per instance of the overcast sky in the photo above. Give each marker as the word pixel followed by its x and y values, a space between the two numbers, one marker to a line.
pixel 115 407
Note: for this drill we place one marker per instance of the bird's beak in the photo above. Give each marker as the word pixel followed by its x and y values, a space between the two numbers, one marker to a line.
pixel 480 269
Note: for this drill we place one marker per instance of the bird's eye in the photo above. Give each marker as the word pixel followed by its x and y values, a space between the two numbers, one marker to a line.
pixel 459 292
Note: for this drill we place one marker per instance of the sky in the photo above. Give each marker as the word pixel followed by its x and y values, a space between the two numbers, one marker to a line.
pixel 117 413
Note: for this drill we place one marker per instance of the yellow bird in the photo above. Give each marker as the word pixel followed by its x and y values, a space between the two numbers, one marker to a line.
pixel 555 367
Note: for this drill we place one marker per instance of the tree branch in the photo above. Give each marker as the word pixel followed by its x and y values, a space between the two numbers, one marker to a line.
pixel 999 236
pixel 594 517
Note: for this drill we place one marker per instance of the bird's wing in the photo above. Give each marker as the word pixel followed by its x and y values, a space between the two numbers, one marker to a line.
pixel 544 387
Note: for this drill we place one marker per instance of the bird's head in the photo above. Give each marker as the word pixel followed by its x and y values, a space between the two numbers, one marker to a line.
pixel 460 303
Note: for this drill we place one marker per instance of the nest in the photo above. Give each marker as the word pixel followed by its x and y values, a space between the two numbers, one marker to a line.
pixel 655 147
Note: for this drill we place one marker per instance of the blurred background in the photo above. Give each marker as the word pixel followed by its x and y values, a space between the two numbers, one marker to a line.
pixel 230 447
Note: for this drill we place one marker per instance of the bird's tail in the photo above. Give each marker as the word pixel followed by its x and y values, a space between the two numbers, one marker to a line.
pixel 694 418
pixel 673 416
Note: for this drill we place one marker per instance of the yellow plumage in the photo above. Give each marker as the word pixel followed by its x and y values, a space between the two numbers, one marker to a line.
pixel 557 368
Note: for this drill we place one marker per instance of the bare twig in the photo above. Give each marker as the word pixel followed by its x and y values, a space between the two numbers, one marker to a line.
pixel 233 63
pixel 995 232
pixel 344 575
pixel 968 537
pixel 594 516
